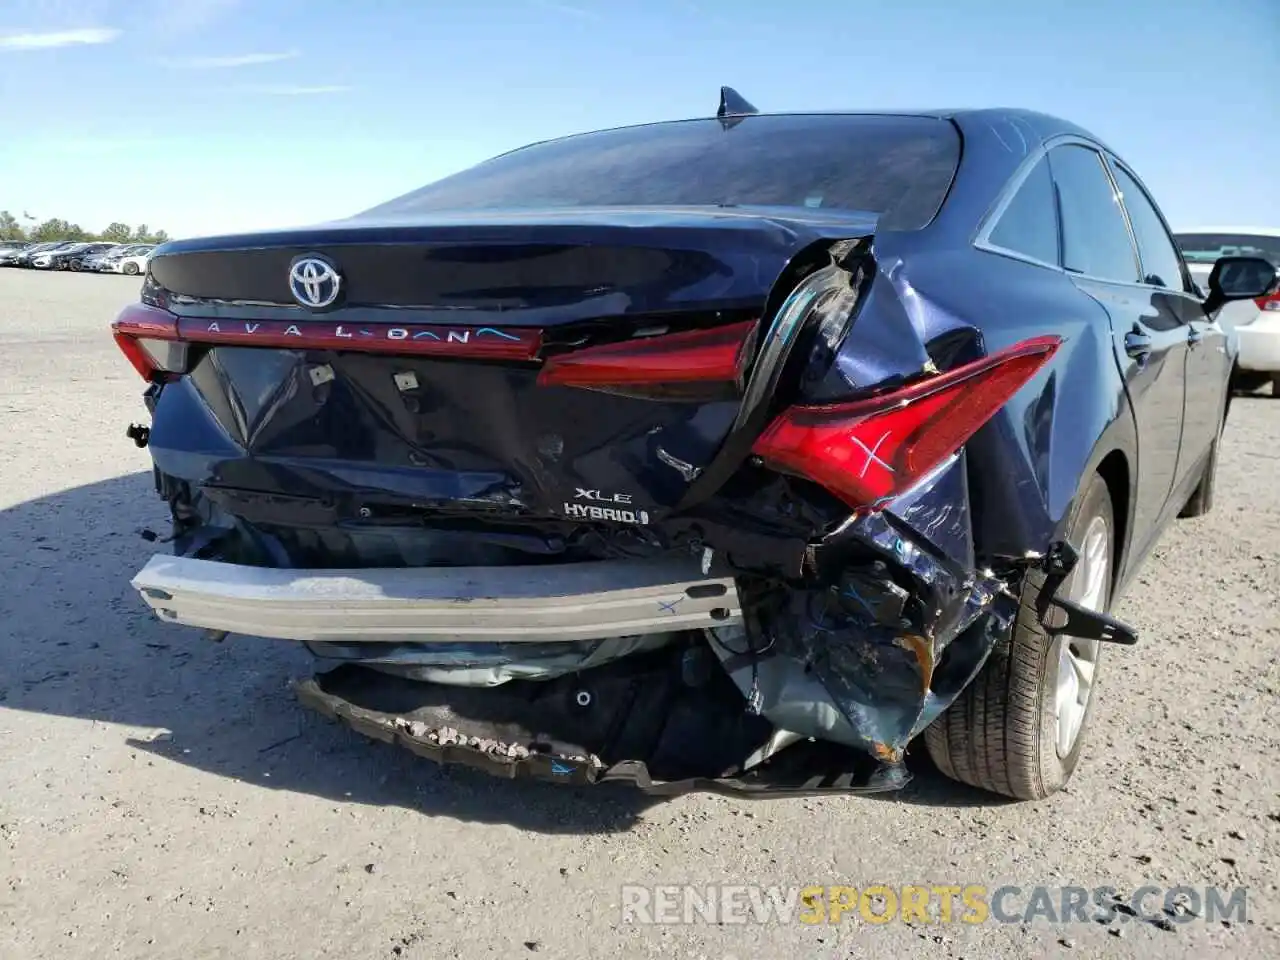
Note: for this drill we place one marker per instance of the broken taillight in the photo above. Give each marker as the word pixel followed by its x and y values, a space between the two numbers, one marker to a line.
pixel 662 365
pixel 869 451
pixel 148 337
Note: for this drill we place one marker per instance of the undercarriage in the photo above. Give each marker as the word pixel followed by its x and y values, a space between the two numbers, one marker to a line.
pixel 672 671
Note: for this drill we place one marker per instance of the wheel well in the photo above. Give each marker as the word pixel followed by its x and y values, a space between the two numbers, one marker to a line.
pixel 1114 470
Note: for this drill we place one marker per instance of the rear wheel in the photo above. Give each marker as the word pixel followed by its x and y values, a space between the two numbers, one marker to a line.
pixel 1201 499
pixel 1018 728
pixel 131 269
pixel 75 265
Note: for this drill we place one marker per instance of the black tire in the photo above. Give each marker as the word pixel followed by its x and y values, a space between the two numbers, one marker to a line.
pixel 131 269
pixel 75 266
pixel 999 735
pixel 1201 500
pixel 1275 386
pixel 1247 381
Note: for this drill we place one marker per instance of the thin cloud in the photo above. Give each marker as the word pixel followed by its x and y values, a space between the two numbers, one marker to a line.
pixel 231 61
pixel 291 90
pixel 52 39
pixel 94 147
pixel 176 18
pixel 582 13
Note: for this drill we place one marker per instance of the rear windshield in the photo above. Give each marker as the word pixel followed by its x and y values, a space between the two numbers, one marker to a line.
pixel 897 169
pixel 1208 247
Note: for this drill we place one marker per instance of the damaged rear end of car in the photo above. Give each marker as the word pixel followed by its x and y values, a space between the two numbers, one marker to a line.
pixel 661 477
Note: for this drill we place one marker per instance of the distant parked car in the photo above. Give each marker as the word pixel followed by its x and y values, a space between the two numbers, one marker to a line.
pixel 132 263
pixel 10 250
pixel 101 261
pixel 43 259
pixel 1255 324
pixel 93 262
pixel 25 257
pixel 74 258
pixel 114 252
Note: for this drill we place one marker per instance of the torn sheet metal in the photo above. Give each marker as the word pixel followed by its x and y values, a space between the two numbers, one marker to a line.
pixel 484 735
pixel 938 510
pixel 873 659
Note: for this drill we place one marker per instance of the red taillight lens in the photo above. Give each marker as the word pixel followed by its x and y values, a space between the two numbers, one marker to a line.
pixel 653 364
pixel 1269 303
pixel 148 337
pixel 869 451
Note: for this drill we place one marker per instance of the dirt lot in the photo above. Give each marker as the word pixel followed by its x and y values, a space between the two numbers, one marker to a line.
pixel 164 796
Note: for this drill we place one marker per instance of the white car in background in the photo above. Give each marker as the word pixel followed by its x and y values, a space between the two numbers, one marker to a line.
pixel 104 262
pixel 133 264
pixel 1255 324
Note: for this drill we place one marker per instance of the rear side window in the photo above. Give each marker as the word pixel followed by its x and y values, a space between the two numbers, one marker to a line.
pixel 894 168
pixel 1095 238
pixel 1029 224
pixel 1161 265
pixel 1208 247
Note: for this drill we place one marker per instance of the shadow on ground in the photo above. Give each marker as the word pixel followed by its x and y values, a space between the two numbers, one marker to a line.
pixel 77 642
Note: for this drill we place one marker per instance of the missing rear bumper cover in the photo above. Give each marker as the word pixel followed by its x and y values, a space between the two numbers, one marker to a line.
pixel 663 758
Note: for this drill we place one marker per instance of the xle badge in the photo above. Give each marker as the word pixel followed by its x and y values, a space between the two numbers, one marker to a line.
pixel 618 507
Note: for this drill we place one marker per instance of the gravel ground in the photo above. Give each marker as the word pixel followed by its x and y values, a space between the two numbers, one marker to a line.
pixel 164 796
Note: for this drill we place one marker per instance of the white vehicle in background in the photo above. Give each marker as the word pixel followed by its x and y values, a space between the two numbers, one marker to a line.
pixel 106 261
pixel 1255 324
pixel 133 263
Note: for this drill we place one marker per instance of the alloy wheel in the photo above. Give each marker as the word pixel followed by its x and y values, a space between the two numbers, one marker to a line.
pixel 1077 657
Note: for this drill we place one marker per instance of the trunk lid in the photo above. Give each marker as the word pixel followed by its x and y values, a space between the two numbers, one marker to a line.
pixel 524 267
pixel 579 367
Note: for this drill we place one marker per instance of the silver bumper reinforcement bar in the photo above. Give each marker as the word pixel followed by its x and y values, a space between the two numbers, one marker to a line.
pixel 581 601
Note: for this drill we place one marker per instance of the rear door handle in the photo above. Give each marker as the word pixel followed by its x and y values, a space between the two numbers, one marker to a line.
pixel 1137 344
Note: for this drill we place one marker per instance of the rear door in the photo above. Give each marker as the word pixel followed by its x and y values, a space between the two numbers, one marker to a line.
pixel 1151 336
pixel 1208 364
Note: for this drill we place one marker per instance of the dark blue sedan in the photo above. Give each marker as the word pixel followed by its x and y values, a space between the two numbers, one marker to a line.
pixel 734 453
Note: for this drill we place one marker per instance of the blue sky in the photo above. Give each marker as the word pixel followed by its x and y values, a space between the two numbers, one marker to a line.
pixel 204 116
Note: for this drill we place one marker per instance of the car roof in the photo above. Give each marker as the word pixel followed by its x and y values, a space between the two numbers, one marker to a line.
pixel 1257 231
pixel 1026 128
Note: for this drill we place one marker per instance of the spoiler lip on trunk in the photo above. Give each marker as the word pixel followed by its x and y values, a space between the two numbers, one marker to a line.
pixel 580 601
pixel 514 268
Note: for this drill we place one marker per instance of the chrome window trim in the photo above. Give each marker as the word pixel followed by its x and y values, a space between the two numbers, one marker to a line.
pixel 1116 163
pixel 1015 255
pixel 981 236
pixel 1117 197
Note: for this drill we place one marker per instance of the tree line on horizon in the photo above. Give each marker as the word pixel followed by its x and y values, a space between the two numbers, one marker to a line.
pixel 58 229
